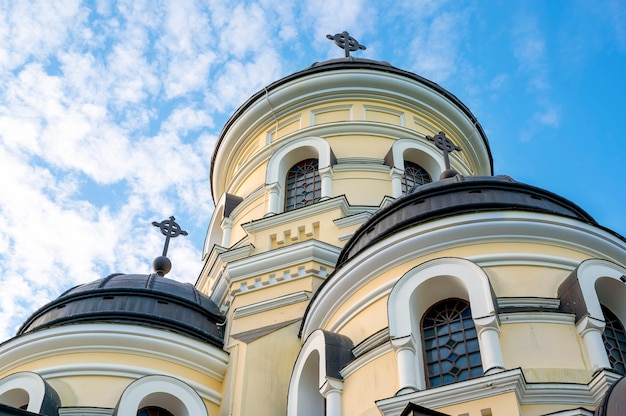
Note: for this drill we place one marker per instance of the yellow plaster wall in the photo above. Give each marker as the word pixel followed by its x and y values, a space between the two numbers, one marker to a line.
pixel 362 187
pixel 376 380
pixel 527 281
pixel 268 363
pixel 321 225
pixel 505 404
pixel 349 146
pixel 370 320
pixel 105 390
pixel 89 391
pixel 561 360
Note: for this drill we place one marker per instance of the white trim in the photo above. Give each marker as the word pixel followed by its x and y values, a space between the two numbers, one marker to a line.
pixel 85 411
pixel 331 109
pixel 283 258
pixel 367 356
pixel 386 110
pixel 125 371
pixel 163 391
pixel 114 338
pixel 500 383
pixel 270 304
pixel 537 317
pixel 24 383
pixel 314 347
pixel 456 231
pixel 544 303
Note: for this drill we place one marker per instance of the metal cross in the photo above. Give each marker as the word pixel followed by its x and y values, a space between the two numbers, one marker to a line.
pixel 346 42
pixel 444 144
pixel 169 228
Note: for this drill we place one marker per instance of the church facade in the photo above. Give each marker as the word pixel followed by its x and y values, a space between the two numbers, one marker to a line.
pixel 362 259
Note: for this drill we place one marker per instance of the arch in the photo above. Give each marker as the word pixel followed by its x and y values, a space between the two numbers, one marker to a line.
pixel 423 286
pixel 416 151
pixel 316 375
pixel 30 389
pixel 165 392
pixel 593 283
pixel 286 157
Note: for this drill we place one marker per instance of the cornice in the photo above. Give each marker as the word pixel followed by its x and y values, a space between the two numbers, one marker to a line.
pixel 462 231
pixel 500 383
pixel 114 339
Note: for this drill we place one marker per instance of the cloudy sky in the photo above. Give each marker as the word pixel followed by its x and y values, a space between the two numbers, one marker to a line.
pixel 109 111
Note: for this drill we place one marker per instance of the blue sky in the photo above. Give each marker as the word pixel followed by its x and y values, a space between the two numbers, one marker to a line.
pixel 109 112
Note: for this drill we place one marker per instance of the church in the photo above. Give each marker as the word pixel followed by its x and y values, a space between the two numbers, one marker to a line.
pixel 362 260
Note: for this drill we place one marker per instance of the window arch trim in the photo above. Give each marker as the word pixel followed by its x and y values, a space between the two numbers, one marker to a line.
pixel 41 397
pixel 166 392
pixel 286 157
pixel 420 288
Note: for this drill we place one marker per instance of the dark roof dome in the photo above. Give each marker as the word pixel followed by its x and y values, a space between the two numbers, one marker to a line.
pixel 149 300
pixel 454 196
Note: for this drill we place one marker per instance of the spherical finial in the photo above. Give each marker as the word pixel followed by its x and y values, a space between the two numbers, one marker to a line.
pixel 162 265
pixel 448 173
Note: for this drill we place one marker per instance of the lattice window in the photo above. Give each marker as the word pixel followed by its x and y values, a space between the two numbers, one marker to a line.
pixel 615 341
pixel 414 174
pixel 303 185
pixel 153 411
pixel 451 351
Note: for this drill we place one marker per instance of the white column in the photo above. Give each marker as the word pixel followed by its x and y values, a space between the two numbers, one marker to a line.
pixel 331 390
pixel 396 182
pixel 272 199
pixel 227 226
pixel 405 354
pixel 489 341
pixel 326 175
pixel 591 330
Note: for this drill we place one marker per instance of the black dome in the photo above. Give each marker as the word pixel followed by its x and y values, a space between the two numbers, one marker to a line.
pixel 458 195
pixel 149 300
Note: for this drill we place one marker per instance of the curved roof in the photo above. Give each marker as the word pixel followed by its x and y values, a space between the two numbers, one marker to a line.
pixel 458 195
pixel 149 300
pixel 614 401
pixel 343 64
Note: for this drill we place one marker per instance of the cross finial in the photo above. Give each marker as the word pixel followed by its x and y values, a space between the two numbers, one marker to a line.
pixel 445 144
pixel 346 42
pixel 169 228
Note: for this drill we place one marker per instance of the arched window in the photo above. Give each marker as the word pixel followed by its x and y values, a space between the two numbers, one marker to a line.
pixel 303 185
pixel 451 351
pixel 414 174
pixel 614 338
pixel 153 411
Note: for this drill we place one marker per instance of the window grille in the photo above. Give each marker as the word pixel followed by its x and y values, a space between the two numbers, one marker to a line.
pixel 414 174
pixel 451 351
pixel 303 185
pixel 614 338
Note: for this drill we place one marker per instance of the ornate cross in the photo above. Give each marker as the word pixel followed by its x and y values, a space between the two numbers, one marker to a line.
pixel 445 144
pixel 346 42
pixel 169 228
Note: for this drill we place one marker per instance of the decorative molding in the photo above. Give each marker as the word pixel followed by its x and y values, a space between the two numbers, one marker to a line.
pixel 355 219
pixel 367 356
pixel 268 305
pixel 117 339
pixel 386 110
pixel 280 219
pixel 371 342
pixel 524 259
pixel 282 258
pixel 499 383
pixel 539 303
pixel 456 231
pixel 123 371
pixel 85 411
pixel 537 317
pixel 331 109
